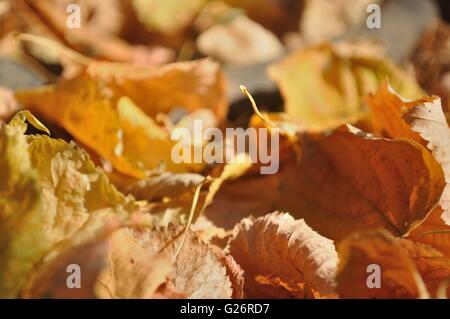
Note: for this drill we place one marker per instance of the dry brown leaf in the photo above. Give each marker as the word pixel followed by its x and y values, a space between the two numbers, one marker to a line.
pixel 433 231
pixel 432 265
pixel 278 245
pixel 236 275
pixel 340 183
pixel 160 186
pixel 193 85
pixel 51 196
pixel 399 275
pixel 422 120
pixel 116 128
pixel 171 196
pixel 109 269
pixel 269 285
pixel 140 262
pixel 197 271
pixel 407 269
pixel 132 271
pixel 50 280
pixel 108 126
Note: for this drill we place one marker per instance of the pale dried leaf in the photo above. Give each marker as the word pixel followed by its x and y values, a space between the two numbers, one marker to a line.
pixel 197 271
pixel 240 41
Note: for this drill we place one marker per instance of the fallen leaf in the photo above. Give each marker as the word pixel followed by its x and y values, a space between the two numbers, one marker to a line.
pixel 341 182
pixel 171 196
pixel 239 41
pixel 50 192
pixel 140 262
pixel 422 120
pixel 399 275
pixel 132 271
pixel 110 269
pixel 432 265
pixel 160 186
pixel 406 269
pixel 50 279
pixel 116 128
pixel 281 246
pixel 433 231
pixel 236 275
pixel 197 271
pixel 323 86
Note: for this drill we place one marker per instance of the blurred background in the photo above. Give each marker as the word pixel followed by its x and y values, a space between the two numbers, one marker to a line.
pixel 40 39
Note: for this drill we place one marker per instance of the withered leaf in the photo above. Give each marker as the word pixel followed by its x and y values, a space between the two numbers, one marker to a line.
pixel 432 265
pixel 236 275
pixel 421 120
pixel 399 275
pixel 140 262
pixel 433 231
pixel 278 245
pixel 50 192
pixel 197 272
pixel 323 85
pixel 341 182
pixel 116 128
pixel 405 269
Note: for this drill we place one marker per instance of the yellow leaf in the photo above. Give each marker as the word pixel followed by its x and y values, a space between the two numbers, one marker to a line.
pixel 167 17
pixel 50 192
pixel 323 85
pixel 98 109
pixel 134 262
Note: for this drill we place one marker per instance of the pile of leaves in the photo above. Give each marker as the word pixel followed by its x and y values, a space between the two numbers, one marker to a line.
pixel 87 177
